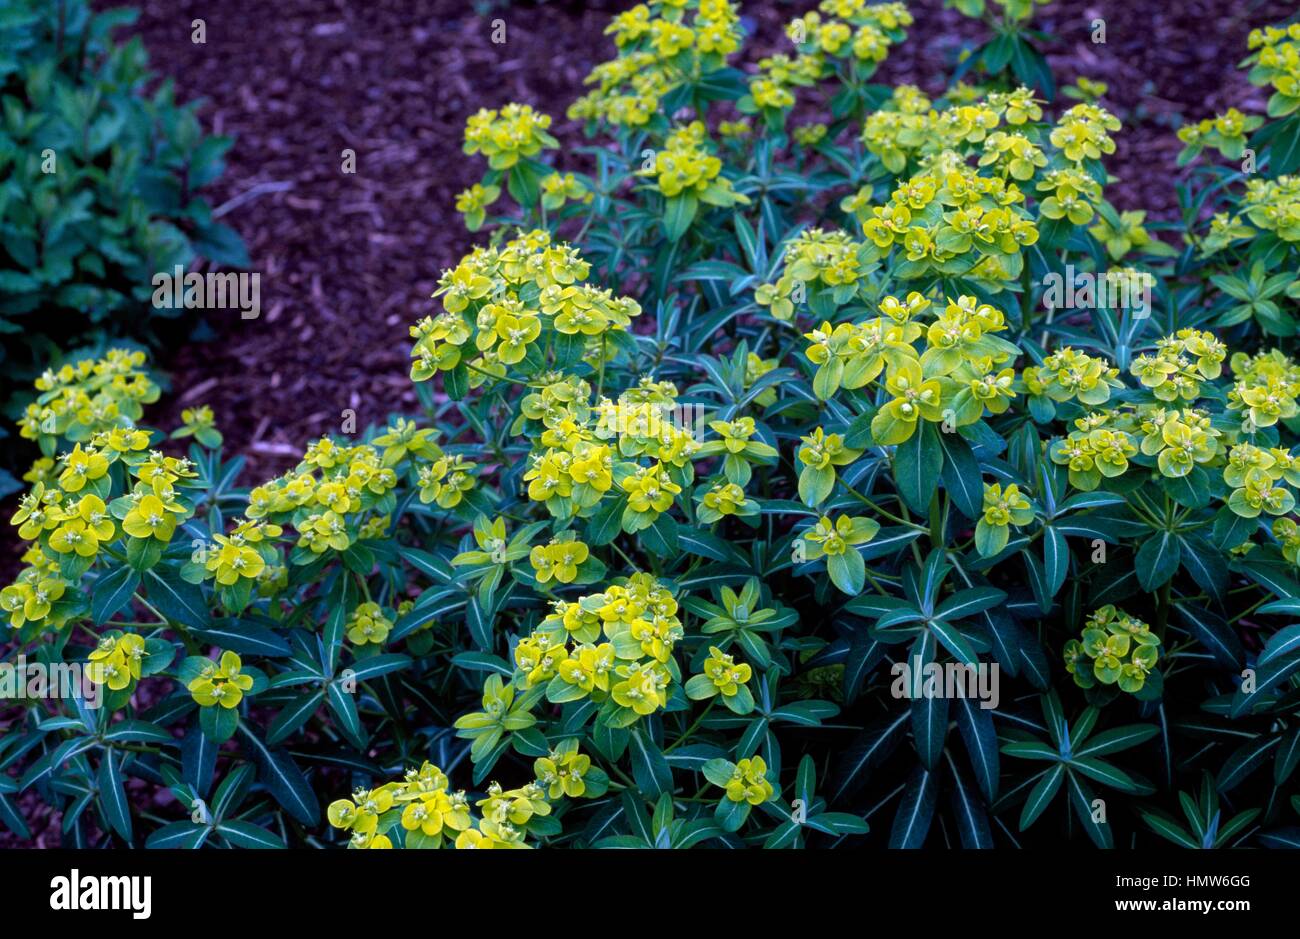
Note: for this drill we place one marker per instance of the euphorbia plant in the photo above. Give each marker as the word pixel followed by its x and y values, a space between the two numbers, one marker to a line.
pixel 717 470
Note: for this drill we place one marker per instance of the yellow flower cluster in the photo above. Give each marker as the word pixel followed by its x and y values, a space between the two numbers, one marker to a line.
pixel 1287 533
pixel 815 258
pixel 949 219
pixel 473 202
pixel 1274 205
pixel 1259 478
pixel 117 661
pixel 1225 132
pixel 1074 195
pixel 559 560
pixel 247 553
pixel 87 397
pixel 1271 205
pixel 199 423
pixel 755 368
pixel 446 480
pixel 73 519
pixel 1265 387
pixel 559 188
pixel 614 647
pixel 1181 362
pixel 661 44
pixel 722 675
pixel 809 135
pixel 1083 132
pixel 858 32
pixel 70 514
pixel 34 594
pixel 1180 437
pixel 772 89
pixel 1275 61
pixel 497 302
pixel 1070 375
pixel 221 683
pixel 368 624
pixel 328 496
pixel 428 814
pixel 1002 508
pixel 687 166
pixel 1116 648
pixel 583 453
pixel 908 127
pixel 954 376
pixel 505 137
pixel 749 782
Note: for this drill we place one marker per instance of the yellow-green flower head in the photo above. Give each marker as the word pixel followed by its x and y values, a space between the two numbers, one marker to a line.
pixel 838 537
pixel 559 560
pixel 642 687
pixel 506 136
pixel 117 660
pixel 80 467
pixel 749 782
pixel 1123 650
pixel 151 517
pixel 561 772
pixel 368 625
pixel 724 672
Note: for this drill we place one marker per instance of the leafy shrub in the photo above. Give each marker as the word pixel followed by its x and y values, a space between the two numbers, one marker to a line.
pixel 710 499
pixel 1245 224
pixel 99 184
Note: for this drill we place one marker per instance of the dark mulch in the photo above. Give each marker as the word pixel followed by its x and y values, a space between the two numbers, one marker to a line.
pixel 349 261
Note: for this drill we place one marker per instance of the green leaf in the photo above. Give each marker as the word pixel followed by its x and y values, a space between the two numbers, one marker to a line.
pixel 679 212
pixel 915 810
pixel 112 592
pixel 112 796
pixel 1119 738
pixel 344 709
pixel 847 571
pixel 1244 761
pixel 293 716
pixel 245 835
pixel 1157 559
pixel 1213 632
pixel 1040 797
pixel 975 724
pixel 1284 148
pixel 218 723
pixel 285 781
pixel 1082 798
pixel 649 768
pixel 918 463
pixel 951 638
pixel 1169 830
pixel 930 727
pixel 177 600
pixel 178 835
pixel 961 475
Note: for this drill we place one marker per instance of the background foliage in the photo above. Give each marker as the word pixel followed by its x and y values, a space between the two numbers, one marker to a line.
pixel 100 174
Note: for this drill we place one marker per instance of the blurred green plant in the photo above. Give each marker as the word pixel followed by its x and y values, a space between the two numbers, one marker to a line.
pixel 99 183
